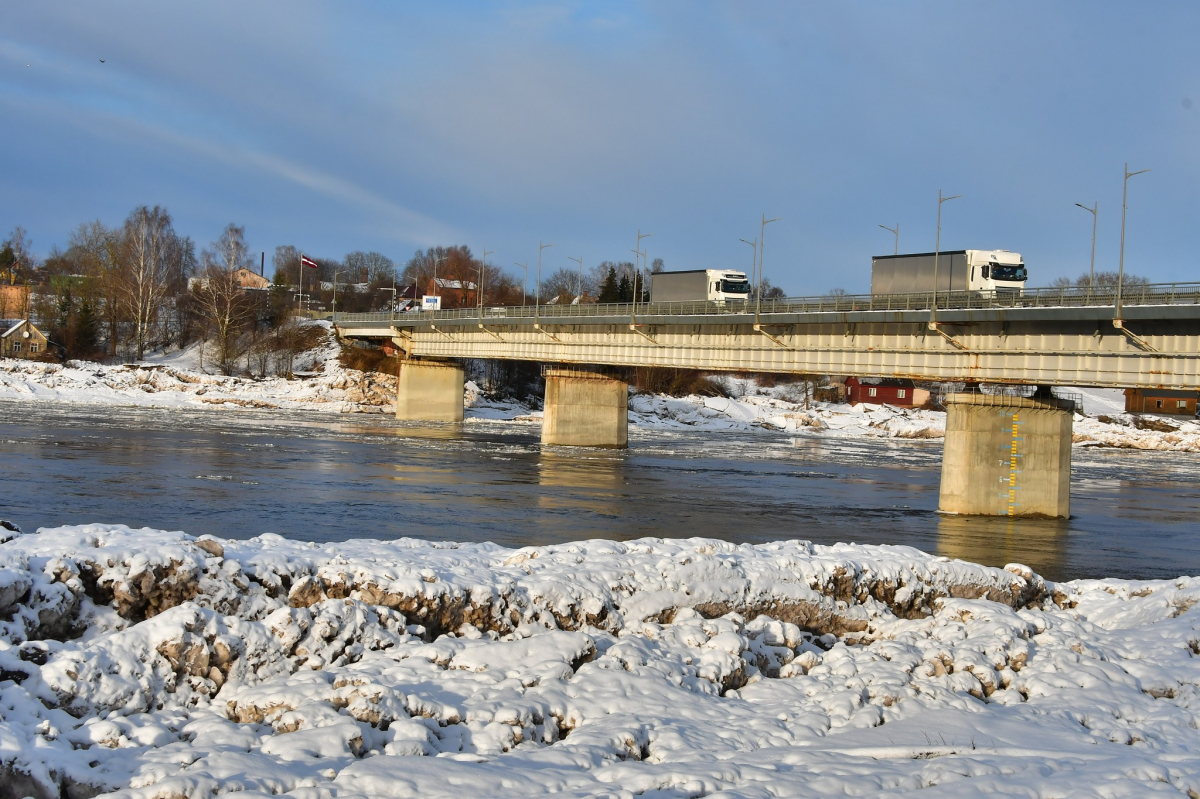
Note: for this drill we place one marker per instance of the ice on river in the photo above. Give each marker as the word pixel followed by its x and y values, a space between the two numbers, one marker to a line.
pixel 153 664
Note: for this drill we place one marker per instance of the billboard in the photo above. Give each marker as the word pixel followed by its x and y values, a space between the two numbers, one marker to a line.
pixel 429 303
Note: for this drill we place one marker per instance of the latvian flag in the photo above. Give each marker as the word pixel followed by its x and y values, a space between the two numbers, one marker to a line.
pixel 306 261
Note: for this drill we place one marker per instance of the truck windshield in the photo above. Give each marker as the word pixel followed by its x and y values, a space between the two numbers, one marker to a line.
pixel 735 287
pixel 1002 272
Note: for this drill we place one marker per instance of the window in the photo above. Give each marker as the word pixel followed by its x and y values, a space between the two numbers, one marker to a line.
pixel 871 392
pixel 1181 404
pixel 1010 273
pixel 16 346
pixel 1158 403
pixel 900 394
pixel 735 286
pixel 33 347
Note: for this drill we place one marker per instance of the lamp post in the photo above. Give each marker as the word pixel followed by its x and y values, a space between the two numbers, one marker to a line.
pixel 335 277
pixel 1121 265
pixel 937 246
pixel 437 259
pixel 483 276
pixel 537 297
pixel 637 253
pixel 524 282
pixel 579 261
pixel 753 255
pixel 1092 269
pixel 762 245
pixel 895 230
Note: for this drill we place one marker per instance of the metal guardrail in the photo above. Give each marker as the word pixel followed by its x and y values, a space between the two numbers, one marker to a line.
pixel 1067 297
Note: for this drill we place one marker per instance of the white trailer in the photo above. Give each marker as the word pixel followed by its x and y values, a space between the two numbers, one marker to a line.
pixel 957 270
pixel 699 285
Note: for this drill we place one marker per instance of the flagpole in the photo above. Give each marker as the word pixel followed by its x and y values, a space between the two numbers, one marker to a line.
pixel 300 290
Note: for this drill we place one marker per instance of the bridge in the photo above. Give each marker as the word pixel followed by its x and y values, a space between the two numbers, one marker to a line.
pixel 1148 336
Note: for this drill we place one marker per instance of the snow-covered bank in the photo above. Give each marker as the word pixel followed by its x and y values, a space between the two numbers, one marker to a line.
pixel 176 381
pixel 157 665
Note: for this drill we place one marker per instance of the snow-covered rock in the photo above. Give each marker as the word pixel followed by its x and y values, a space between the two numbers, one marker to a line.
pixel 154 664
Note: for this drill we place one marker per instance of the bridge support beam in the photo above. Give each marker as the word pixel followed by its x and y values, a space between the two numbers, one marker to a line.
pixel 585 409
pixel 430 391
pixel 1007 456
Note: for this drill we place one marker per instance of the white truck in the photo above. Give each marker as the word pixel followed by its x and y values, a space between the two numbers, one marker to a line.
pixel 699 285
pixel 958 270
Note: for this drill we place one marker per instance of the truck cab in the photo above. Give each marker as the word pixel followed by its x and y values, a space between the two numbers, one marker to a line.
pixel 996 270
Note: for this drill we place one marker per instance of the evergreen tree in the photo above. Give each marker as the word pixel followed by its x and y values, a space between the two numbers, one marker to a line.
pixel 625 289
pixel 87 336
pixel 609 292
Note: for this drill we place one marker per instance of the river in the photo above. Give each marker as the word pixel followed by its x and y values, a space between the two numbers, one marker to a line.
pixel 328 478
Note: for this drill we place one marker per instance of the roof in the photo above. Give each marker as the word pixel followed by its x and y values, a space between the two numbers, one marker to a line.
pixel 11 326
pixel 888 382
pixel 1162 393
pixel 444 283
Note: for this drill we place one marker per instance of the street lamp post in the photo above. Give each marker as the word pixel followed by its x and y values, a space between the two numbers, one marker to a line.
pixel 937 246
pixel 437 259
pixel 537 297
pixel 637 253
pixel 482 277
pixel 762 245
pixel 895 230
pixel 1121 264
pixel 753 255
pixel 1092 269
pixel 579 261
pixel 524 282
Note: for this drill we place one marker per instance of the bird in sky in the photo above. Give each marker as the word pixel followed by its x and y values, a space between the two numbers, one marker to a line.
pixel 101 60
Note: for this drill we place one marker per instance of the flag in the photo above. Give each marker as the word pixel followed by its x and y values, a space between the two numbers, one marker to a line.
pixel 306 261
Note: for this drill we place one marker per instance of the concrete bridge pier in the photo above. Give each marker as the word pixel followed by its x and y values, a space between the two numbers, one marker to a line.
pixel 585 409
pixel 1007 456
pixel 430 391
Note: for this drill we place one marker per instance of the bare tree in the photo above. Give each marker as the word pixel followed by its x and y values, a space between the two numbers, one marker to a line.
pixel 219 297
pixel 144 255
pixel 368 267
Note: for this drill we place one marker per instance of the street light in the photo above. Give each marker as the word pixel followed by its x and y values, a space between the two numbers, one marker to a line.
pixel 636 254
pixel 1121 265
pixel 895 230
pixel 483 276
pixel 579 261
pixel 937 246
pixel 335 277
pixel 524 282
pixel 762 245
pixel 537 297
pixel 753 255
pixel 1092 271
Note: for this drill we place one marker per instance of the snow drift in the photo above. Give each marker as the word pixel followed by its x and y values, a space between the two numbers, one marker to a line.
pixel 152 664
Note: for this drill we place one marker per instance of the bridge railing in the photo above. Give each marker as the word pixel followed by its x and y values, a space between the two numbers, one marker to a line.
pixel 1051 297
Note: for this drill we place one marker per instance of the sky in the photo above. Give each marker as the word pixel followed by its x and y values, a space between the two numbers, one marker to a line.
pixel 395 126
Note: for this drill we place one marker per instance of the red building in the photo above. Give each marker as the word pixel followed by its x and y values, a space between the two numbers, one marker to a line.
pixel 884 391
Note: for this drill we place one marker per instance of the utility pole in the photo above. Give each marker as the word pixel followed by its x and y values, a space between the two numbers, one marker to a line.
pixel 937 246
pixel 637 253
pixel 895 230
pixel 1092 269
pixel 1121 267
pixel 753 255
pixel 537 297
pixel 482 276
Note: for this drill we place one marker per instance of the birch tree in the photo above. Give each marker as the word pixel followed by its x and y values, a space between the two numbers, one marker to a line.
pixel 147 245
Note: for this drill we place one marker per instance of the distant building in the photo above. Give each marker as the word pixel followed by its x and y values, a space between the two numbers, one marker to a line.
pixel 20 339
pixel 454 293
pixel 1160 400
pixel 14 302
pixel 885 391
pixel 250 279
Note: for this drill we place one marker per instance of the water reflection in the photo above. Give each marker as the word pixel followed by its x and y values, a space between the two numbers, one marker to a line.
pixel 1040 544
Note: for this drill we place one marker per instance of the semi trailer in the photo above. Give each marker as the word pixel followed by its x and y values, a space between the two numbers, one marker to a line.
pixel 957 270
pixel 699 285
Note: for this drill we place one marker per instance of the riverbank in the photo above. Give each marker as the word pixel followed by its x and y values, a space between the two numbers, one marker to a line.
pixel 154 664
pixel 324 385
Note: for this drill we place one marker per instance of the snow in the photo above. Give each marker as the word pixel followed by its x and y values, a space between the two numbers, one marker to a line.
pixel 176 380
pixel 153 664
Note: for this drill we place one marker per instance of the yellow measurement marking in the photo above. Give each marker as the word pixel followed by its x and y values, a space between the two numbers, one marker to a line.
pixel 1012 469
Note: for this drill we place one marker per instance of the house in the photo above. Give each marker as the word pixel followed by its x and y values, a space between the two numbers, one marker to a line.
pixel 249 279
pixel 1160 400
pixel 454 293
pixel 20 339
pixel 885 391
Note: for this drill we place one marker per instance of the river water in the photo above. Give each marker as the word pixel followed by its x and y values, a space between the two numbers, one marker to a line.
pixel 329 478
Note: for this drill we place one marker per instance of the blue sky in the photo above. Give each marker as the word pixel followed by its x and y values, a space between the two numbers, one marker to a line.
pixel 393 126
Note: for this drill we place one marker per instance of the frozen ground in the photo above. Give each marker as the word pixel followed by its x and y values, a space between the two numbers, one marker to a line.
pixel 177 381
pixel 152 664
